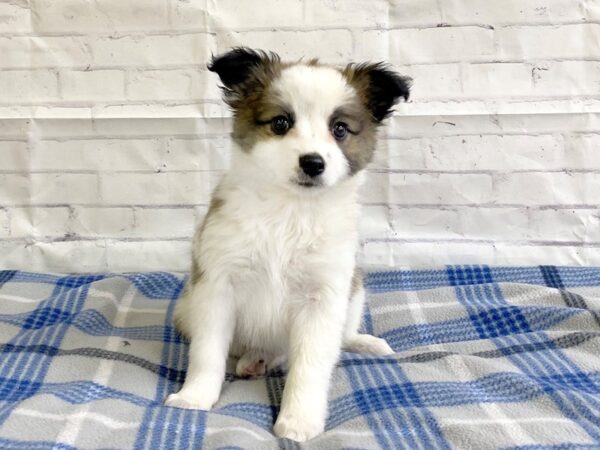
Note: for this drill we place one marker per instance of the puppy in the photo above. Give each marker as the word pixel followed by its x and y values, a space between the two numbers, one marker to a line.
pixel 273 269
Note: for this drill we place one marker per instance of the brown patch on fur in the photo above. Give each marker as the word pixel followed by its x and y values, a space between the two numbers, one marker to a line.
pixel 216 204
pixel 357 281
pixel 247 76
pixel 252 114
pixel 196 274
pixel 378 87
pixel 359 144
pixel 378 90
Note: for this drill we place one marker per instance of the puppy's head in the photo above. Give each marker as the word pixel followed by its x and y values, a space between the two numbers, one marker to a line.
pixel 306 125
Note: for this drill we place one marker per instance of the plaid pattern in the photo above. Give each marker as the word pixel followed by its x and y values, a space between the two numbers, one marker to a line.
pixel 486 358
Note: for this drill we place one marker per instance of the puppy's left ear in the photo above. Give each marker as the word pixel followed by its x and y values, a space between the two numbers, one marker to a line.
pixel 242 71
pixel 379 86
pixel 236 66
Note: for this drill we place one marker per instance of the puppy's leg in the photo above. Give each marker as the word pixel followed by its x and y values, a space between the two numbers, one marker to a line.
pixel 209 323
pixel 314 346
pixel 353 341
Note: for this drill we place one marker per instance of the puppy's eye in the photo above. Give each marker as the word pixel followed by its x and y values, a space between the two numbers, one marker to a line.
pixel 339 130
pixel 280 125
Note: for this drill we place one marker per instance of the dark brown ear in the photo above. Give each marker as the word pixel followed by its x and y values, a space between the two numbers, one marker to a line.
pixel 380 87
pixel 240 66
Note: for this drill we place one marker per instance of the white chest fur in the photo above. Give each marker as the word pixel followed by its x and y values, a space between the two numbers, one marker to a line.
pixel 276 250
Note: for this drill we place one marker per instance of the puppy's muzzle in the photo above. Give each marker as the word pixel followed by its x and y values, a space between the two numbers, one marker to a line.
pixel 312 164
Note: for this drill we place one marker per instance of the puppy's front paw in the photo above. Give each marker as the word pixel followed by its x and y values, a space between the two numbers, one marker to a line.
pixel 186 401
pixel 296 428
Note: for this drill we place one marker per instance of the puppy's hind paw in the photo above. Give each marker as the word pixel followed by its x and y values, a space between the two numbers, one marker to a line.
pixel 251 367
pixel 183 401
pixel 365 343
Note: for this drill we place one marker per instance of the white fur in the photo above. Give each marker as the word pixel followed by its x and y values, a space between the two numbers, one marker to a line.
pixel 277 261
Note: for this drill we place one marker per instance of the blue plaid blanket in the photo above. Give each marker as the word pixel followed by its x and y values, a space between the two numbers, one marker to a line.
pixel 486 358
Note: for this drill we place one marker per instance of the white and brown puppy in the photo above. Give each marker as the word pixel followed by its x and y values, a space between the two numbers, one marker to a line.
pixel 273 272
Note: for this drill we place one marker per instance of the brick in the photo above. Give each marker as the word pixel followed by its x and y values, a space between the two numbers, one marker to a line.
pixel 439 254
pixel 566 78
pixel 39 222
pixel 441 44
pixel 414 13
pixel 25 52
pixel 375 188
pixel 549 42
pixel 61 188
pixel 411 126
pixel 371 45
pixel 547 254
pixel 190 14
pixel 515 224
pixel 129 222
pixel 575 225
pixel 105 16
pixel 14 155
pixel 24 86
pixel 64 111
pixel 425 223
pixel 165 110
pixel 547 188
pixel 14 128
pixel 16 51
pixel 581 151
pixel 172 85
pixel 164 223
pixel 295 44
pixel 399 154
pixel 435 189
pixel 493 80
pixel 15 17
pixel 514 11
pixel 460 223
pixel 425 254
pixel 4 224
pixel 155 189
pixel 375 222
pixel 175 256
pixel 50 128
pixel 92 85
pixel 197 154
pixel 97 154
pixel 325 13
pixel 153 50
pixel 73 256
pixel 160 85
pixel 483 152
pixel 493 223
pixel 77 256
pixel 14 189
pixel 232 14
pixel 433 81
pixel 90 222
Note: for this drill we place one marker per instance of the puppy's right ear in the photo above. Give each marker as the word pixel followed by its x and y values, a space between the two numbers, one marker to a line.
pixel 240 65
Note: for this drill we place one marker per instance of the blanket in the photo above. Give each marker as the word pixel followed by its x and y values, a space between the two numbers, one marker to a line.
pixel 485 358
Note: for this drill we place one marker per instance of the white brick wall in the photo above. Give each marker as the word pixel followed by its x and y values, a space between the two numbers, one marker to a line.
pixel 112 133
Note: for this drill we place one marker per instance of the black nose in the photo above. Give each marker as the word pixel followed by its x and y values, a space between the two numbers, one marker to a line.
pixel 312 164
